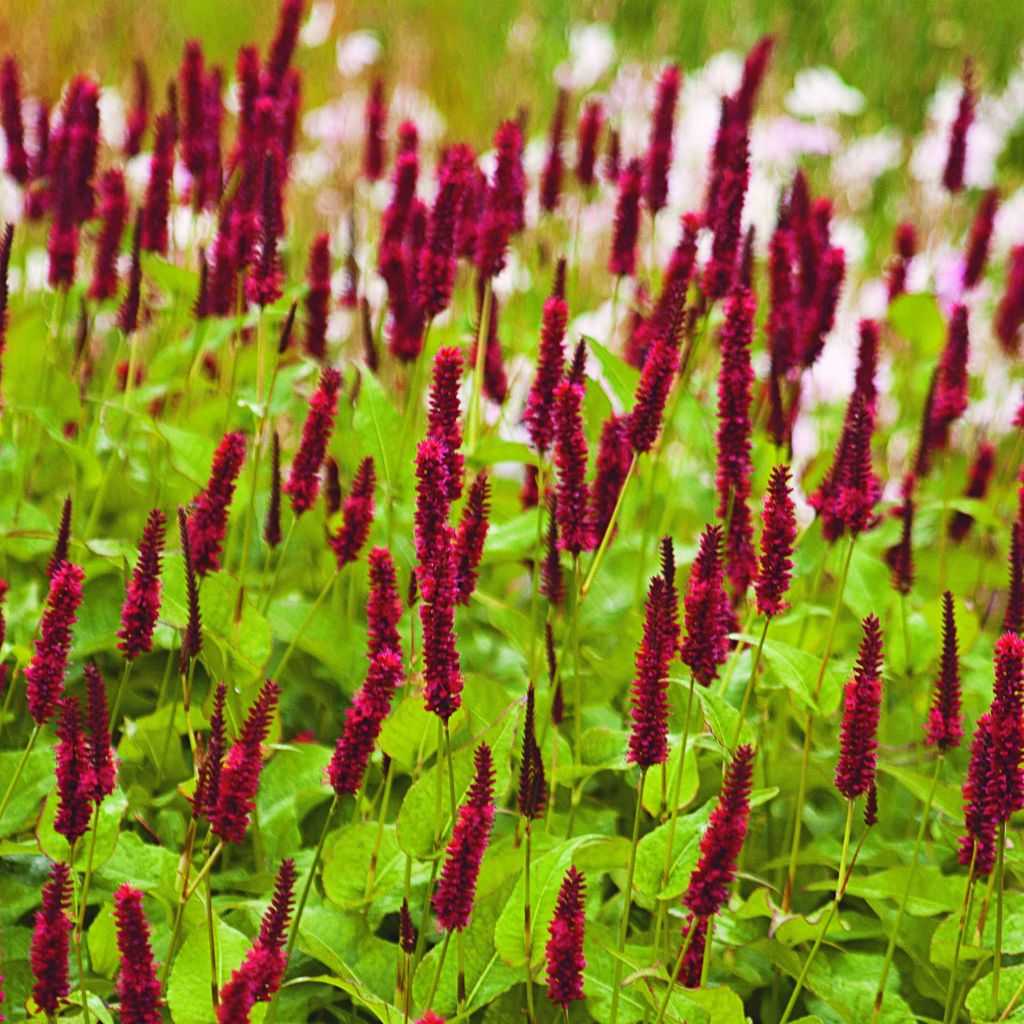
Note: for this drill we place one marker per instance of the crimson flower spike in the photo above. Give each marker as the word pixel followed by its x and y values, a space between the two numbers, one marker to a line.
pixel 12 121
pixel 692 966
pixel 142 598
pixel 442 670
pixel 900 557
pixel 862 702
pixel 137 986
pixel 1013 617
pixel 722 841
pixel 867 363
pixel 431 1018
pixel 575 522
pixel 62 241
pixel 539 413
pixel 154 235
pixel 588 132
pixel 502 202
pixel 532 794
pixel 734 466
pixel 552 583
pixel 45 673
pixel 113 215
pixel 944 728
pixel 205 795
pixel 375 117
pixel 128 311
pixel 1010 314
pixel 75 780
pixel 102 760
pixel 438 260
pixel 956 157
pixel 191 76
pixel 978 846
pixel 648 738
pixel 363 721
pixel 471 536
pixel 303 483
pixel 63 542
pixel 659 370
pixel 240 776
pixel 51 940
pixel 357 515
pixel 318 296
pixel 6 241
pixel 192 638
pixel 266 960
pixel 755 66
pixel 456 890
pixel 138 111
pixel 612 168
pixel 905 244
pixel 614 455
pixel 554 165
pixel 949 398
pixel 980 239
pixel 272 522
pixel 237 998
pixel 208 522
pixel 978 480
pixel 1006 791
pixel 383 605
pixel 263 285
pixel 726 215
pixel 777 539
pixel 707 613
pixel 563 954
pixel 659 148
pixel 443 422
pixel 626 228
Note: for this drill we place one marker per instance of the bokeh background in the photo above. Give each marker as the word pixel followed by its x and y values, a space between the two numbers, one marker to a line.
pixel 458 52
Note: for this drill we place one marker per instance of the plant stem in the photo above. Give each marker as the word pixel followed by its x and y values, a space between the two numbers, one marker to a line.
pixel 832 910
pixel 798 813
pixel 998 961
pixel 964 918
pixel 673 818
pixel 894 935
pixel 437 973
pixel 186 860
pixel 381 818
pixel 750 684
pixel 265 600
pixel 119 693
pixel 19 768
pixel 293 931
pixel 630 871
pixel 528 926
pixel 212 939
pixel 609 530
pixel 577 710
pixel 473 430
pixel 286 657
pixel 691 931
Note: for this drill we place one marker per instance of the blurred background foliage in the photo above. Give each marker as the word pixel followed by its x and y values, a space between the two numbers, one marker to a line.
pixel 894 51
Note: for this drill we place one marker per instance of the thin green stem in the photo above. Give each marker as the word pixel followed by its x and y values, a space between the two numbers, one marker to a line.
pixel 798 812
pixel 204 871
pixel 473 432
pixel 381 819
pixel 437 973
pixel 595 563
pixel 19 768
pixel 321 597
pixel 677 966
pixel 628 897
pixel 528 925
pixel 119 692
pixel 750 684
pixel 77 935
pixel 998 952
pixel 293 931
pixel 894 934
pixel 268 595
pixel 577 711
pixel 186 861
pixel 965 913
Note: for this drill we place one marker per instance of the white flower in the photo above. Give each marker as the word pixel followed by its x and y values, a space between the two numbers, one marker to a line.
pixel 857 168
pixel 318 25
pixel 820 92
pixel 112 118
pixel 591 52
pixel 355 52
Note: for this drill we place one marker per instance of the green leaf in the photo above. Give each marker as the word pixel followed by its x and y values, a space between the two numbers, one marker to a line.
pixel 102 940
pixel 188 991
pixel 690 783
pixel 917 318
pixel 56 847
pixel 378 427
pixel 34 783
pixel 291 785
pixel 947 798
pixel 979 999
pixel 545 880
pixel 620 377
pixel 723 718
